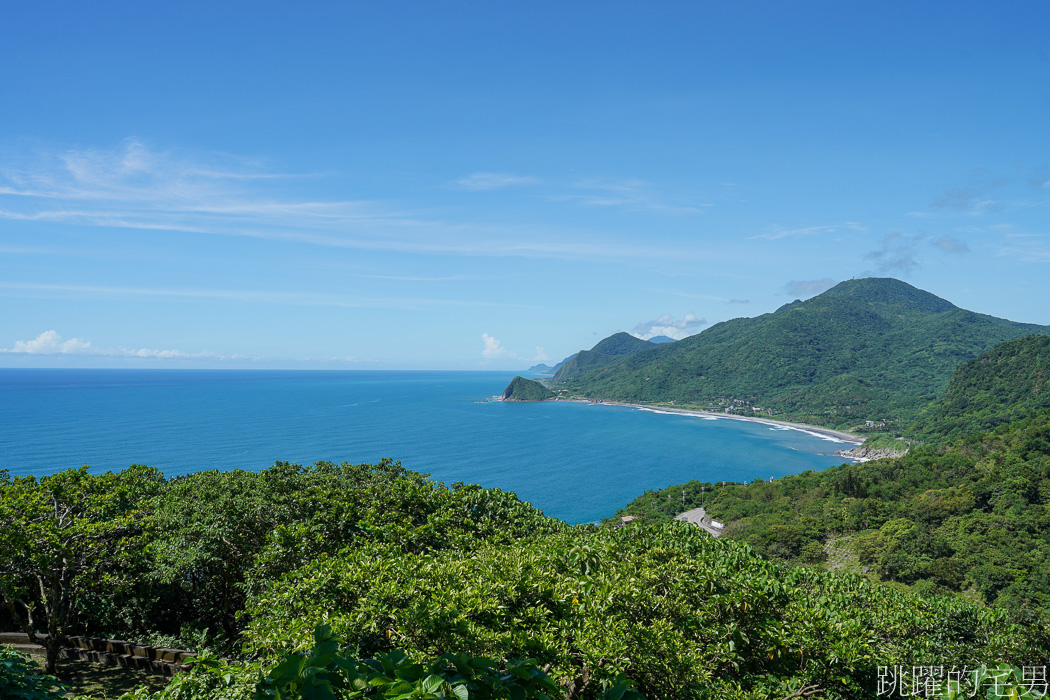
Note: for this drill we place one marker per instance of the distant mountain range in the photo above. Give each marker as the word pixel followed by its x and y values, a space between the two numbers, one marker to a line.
pixel 871 349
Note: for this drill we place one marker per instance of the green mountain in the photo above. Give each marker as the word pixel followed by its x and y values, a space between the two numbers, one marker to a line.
pixel 541 369
pixel 609 351
pixel 521 389
pixel 870 349
pixel 1004 384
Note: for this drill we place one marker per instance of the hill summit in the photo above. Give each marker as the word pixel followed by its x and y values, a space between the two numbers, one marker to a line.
pixel 609 351
pixel 522 389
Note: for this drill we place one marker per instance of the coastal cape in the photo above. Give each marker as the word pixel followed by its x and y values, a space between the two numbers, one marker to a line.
pixel 522 389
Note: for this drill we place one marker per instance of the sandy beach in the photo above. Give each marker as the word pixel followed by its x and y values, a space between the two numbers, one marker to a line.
pixel 828 433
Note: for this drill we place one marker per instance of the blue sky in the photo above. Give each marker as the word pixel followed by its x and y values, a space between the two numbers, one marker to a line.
pixel 489 185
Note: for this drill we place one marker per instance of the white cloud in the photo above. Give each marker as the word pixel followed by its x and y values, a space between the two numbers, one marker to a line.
pixel 493 348
pixel 665 324
pixel 492 181
pixel 51 343
pixel 541 355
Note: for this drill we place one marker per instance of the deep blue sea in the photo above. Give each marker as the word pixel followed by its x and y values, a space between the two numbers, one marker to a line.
pixel 578 462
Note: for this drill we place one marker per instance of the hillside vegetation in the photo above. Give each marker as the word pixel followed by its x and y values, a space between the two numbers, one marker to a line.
pixel 968 518
pixel 348 581
pixel 1005 384
pixel 609 351
pixel 865 350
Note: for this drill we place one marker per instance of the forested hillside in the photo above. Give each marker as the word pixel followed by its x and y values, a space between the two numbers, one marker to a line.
pixel 1004 384
pixel 609 351
pixel 312 571
pixel 970 518
pixel 865 350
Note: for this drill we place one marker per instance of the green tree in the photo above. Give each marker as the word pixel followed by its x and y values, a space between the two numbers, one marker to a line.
pixel 63 536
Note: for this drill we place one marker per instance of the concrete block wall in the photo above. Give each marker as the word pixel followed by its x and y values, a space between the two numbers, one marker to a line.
pixel 111 652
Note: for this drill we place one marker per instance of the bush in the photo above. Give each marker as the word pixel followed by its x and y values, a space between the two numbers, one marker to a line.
pixel 21 679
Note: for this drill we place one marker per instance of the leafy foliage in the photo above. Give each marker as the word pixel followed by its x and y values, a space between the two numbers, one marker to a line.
pixel 438 588
pixel 328 671
pixel 221 534
pixel 683 615
pixel 21 679
pixel 63 537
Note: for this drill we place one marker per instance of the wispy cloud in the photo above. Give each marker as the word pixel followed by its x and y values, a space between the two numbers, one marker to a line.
pixel 975 197
pixel 986 190
pixel 632 195
pixel 896 254
pixel 410 278
pixel 250 296
pixel 492 181
pixel 1026 247
pixel 779 232
pixel 705 297
pixel 899 253
pixel 951 245
pixel 135 187
pixel 801 289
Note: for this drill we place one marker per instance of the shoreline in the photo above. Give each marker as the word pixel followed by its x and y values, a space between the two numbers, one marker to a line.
pixel 826 433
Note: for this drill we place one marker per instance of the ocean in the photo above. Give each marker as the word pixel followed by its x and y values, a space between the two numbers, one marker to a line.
pixel 575 461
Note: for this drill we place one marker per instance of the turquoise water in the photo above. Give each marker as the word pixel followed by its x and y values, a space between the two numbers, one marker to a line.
pixel 578 462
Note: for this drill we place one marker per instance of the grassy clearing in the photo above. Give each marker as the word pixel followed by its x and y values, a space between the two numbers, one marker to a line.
pixel 100 681
pixel 841 556
pixel 104 682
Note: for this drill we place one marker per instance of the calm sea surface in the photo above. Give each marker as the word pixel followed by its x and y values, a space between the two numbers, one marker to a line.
pixel 578 462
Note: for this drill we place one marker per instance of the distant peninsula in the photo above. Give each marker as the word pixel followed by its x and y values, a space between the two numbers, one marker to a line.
pixel 522 389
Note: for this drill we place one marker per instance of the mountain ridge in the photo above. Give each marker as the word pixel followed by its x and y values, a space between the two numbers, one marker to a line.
pixel 605 352
pixel 871 349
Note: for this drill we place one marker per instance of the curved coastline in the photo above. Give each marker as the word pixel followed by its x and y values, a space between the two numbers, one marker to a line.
pixel 827 433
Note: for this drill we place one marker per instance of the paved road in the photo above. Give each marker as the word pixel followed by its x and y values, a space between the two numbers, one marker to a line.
pixel 698 516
